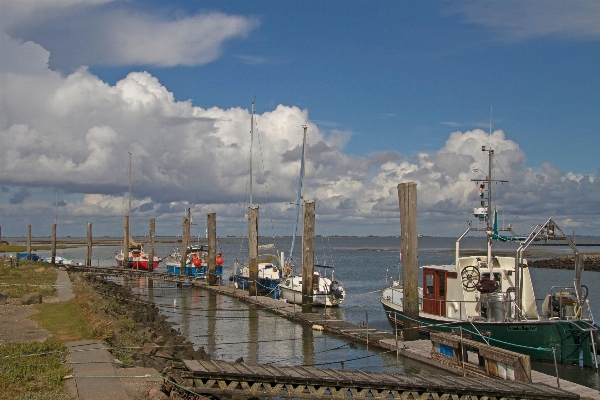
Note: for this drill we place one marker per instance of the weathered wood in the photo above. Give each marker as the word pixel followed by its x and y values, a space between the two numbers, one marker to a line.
pixel 308 255
pixel 126 241
pixel 309 382
pixel 253 250
pixel 151 246
pixel 211 226
pixel 29 242
pixel 407 196
pixel 53 244
pixel 88 260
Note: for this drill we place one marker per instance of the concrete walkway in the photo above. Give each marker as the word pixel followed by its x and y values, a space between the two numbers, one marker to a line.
pixel 95 373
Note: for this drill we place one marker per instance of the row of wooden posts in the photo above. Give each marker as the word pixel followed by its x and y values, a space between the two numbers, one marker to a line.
pixel 407 197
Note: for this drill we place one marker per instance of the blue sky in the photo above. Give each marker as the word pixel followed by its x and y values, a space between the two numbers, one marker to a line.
pixel 391 92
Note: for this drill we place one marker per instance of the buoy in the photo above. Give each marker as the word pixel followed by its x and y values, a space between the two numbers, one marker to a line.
pixel 197 262
pixel 219 260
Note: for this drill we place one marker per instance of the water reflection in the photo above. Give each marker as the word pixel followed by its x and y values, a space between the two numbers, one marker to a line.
pixel 229 329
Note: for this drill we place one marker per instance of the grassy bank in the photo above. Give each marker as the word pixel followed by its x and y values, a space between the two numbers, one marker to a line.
pixel 27 277
pixel 35 370
pixel 32 371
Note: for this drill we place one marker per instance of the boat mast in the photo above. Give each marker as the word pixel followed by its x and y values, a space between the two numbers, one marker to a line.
pixel 300 191
pixel 129 207
pixel 251 140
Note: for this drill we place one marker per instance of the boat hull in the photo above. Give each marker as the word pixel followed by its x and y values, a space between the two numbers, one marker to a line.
pixel 139 264
pixel 265 286
pixel 535 338
pixel 198 272
pixel 295 297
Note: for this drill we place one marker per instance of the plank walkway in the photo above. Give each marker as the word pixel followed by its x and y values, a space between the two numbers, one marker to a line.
pixel 231 379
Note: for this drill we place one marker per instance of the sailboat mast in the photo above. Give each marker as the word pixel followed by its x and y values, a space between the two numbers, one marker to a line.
pixel 251 140
pixel 300 191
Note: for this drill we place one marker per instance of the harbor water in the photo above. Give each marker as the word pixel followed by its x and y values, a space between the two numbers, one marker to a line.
pixel 229 328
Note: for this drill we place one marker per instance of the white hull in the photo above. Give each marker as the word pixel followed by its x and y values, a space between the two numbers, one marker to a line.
pixel 290 290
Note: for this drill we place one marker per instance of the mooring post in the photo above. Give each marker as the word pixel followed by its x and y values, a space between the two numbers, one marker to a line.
pixel 126 241
pixel 407 196
pixel 29 242
pixel 308 255
pixel 211 226
pixel 151 248
pixel 184 246
pixel 53 244
pixel 88 260
pixel 253 250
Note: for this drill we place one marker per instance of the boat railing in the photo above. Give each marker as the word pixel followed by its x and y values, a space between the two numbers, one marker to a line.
pixel 563 303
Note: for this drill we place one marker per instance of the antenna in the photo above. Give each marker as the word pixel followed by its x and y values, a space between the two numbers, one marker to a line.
pixel 490 127
pixel 56 209
pixel 129 208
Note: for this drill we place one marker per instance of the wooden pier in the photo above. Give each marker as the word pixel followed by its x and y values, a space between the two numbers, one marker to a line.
pixel 220 378
pixel 420 350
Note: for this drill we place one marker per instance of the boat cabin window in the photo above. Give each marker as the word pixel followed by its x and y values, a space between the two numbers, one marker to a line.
pixel 429 285
pixel 441 287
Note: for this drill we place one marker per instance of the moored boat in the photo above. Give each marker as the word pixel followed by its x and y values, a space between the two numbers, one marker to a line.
pixel 326 292
pixel 270 273
pixel 138 259
pixel 491 298
pixel 196 264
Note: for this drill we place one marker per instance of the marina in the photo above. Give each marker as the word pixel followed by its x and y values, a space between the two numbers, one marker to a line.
pixel 370 263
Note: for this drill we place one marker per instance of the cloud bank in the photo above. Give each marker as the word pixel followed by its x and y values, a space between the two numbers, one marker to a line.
pixel 72 134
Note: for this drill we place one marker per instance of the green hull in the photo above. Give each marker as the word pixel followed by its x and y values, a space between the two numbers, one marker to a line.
pixel 570 339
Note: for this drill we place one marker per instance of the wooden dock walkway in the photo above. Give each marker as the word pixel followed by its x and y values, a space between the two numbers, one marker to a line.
pixel 220 378
pixel 419 350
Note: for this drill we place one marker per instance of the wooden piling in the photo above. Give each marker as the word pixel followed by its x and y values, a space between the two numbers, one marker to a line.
pixel 53 244
pixel 88 260
pixel 211 226
pixel 253 250
pixel 126 241
pixel 407 196
pixel 29 242
pixel 151 248
pixel 308 255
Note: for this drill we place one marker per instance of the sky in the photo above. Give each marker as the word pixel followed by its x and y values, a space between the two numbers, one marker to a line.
pixel 391 92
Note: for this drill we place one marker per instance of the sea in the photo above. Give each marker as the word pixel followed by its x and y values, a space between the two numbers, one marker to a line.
pixel 229 329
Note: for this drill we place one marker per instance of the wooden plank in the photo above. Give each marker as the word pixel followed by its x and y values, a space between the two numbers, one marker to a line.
pixel 263 372
pixel 212 366
pixel 244 369
pixel 323 374
pixel 194 366
pixel 230 370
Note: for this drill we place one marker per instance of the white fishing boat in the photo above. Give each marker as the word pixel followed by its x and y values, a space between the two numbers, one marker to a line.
pixel 492 299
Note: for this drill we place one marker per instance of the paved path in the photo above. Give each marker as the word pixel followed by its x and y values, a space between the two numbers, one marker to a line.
pixel 95 373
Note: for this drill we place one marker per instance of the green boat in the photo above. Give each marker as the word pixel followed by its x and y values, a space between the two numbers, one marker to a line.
pixel 491 298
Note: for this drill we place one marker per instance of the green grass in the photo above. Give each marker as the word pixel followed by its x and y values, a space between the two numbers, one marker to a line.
pixel 32 371
pixel 27 277
pixel 66 321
